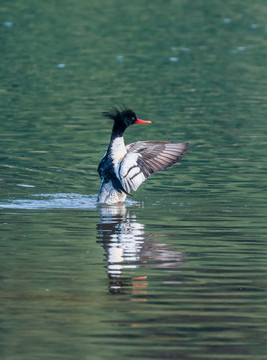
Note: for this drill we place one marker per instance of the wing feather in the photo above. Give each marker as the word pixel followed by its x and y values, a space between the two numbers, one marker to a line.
pixel 144 158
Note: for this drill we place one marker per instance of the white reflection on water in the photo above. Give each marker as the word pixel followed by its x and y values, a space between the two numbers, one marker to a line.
pixel 128 246
pixel 122 237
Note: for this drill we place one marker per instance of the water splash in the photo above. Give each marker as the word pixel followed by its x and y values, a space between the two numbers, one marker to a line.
pixel 55 201
pixel 52 201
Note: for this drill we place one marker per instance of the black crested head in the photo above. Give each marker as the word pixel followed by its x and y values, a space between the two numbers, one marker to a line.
pixel 122 117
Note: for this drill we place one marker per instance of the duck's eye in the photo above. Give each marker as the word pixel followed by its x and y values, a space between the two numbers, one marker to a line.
pixel 133 119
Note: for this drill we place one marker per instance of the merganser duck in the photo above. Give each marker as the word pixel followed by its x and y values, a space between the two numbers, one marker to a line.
pixel 125 168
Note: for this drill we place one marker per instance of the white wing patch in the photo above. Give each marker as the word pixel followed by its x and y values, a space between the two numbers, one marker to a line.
pixel 144 158
pixel 131 174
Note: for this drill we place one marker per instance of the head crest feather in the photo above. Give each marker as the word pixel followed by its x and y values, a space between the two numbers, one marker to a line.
pixel 115 113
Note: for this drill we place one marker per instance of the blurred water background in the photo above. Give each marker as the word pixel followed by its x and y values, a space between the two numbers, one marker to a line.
pixel 179 271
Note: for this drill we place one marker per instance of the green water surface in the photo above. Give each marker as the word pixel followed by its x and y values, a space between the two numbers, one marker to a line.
pixel 179 272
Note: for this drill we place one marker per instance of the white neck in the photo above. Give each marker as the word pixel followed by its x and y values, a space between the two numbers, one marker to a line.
pixel 117 149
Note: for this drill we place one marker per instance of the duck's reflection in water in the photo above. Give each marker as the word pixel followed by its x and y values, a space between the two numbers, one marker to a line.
pixel 128 247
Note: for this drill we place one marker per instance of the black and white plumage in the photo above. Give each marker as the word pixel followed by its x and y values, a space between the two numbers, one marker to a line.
pixel 125 168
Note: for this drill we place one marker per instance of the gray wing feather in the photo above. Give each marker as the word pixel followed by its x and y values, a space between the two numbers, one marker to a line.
pixel 144 158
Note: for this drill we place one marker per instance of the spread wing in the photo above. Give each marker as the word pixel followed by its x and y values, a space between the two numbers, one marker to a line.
pixel 144 158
